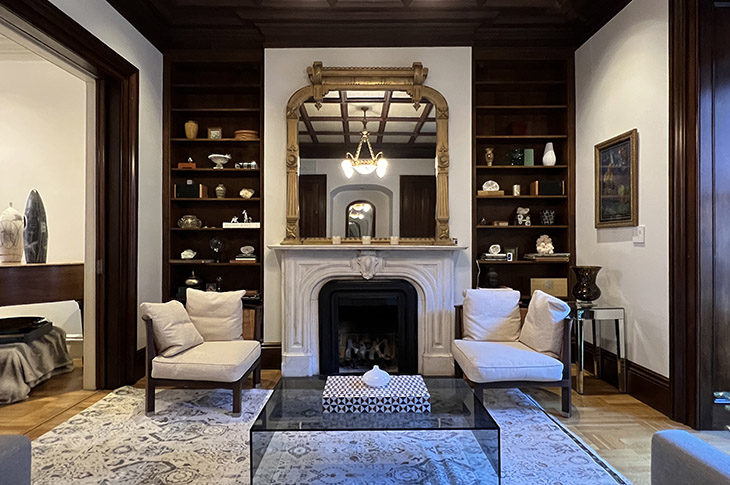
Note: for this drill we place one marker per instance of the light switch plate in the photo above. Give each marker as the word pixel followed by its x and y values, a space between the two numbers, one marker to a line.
pixel 639 235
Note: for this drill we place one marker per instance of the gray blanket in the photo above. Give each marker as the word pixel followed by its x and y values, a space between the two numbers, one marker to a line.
pixel 24 366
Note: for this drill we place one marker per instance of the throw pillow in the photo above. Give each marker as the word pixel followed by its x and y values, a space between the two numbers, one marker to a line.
pixel 217 316
pixel 543 328
pixel 492 314
pixel 172 328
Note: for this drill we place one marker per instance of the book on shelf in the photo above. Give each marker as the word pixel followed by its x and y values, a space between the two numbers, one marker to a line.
pixel 561 257
pixel 490 193
pixel 493 257
pixel 241 225
pixel 244 260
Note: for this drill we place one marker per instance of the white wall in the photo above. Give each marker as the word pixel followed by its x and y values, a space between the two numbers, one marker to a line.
pixel 104 22
pixel 343 191
pixel 622 82
pixel 285 72
pixel 43 147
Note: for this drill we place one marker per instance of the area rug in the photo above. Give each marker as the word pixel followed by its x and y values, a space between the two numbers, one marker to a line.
pixel 193 440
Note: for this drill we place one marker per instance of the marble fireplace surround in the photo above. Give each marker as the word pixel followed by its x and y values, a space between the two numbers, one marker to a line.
pixel 306 268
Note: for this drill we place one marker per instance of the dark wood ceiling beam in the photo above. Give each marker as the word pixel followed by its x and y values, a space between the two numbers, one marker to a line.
pixel 305 119
pixel 421 121
pixel 372 133
pixel 343 113
pixel 390 150
pixel 390 118
pixel 384 114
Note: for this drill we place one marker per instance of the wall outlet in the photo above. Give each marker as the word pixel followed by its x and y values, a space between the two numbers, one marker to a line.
pixel 639 237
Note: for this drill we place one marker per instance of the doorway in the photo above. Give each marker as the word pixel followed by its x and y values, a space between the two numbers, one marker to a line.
pixel 112 261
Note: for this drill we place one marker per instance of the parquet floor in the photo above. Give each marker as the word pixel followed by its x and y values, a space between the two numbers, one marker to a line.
pixel 616 425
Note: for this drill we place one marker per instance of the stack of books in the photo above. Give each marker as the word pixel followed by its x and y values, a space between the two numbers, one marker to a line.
pixel 493 257
pixel 559 257
pixel 244 259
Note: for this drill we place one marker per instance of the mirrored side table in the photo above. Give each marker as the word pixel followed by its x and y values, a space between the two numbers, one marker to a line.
pixel 598 316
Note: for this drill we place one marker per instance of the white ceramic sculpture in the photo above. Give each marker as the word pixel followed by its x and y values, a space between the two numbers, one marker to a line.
pixel 188 254
pixel 545 245
pixel 548 158
pixel 246 193
pixel 11 235
pixel 376 377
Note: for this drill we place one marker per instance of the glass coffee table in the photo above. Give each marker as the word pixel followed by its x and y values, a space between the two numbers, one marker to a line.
pixel 295 410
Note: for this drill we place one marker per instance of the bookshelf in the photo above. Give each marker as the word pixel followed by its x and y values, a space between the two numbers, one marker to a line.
pixel 216 90
pixel 522 100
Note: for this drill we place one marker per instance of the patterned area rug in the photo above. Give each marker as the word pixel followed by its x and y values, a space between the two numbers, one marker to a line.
pixel 193 440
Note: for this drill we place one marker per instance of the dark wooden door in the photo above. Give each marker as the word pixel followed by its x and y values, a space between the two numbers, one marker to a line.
pixel 417 206
pixel 313 205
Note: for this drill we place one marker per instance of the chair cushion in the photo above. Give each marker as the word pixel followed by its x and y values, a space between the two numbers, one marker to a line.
pixel 217 316
pixel 209 361
pixel 171 326
pixel 504 361
pixel 492 314
pixel 543 328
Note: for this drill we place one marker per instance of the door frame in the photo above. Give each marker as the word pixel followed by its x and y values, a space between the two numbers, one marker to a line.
pixel 117 128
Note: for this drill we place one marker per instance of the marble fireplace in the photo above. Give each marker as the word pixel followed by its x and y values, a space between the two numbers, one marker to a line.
pixel 306 269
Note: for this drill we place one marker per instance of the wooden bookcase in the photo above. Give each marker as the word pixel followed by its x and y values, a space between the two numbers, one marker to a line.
pixel 215 90
pixel 523 99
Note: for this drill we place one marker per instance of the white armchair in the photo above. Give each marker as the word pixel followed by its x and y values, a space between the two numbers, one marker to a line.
pixel 217 352
pixel 497 345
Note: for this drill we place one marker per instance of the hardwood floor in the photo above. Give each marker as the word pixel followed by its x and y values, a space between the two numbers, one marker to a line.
pixel 617 426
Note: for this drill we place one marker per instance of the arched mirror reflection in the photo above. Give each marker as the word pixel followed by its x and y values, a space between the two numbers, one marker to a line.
pixel 373 146
pixel 360 219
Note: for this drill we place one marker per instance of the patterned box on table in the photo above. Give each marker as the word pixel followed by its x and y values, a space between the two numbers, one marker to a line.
pixel 349 394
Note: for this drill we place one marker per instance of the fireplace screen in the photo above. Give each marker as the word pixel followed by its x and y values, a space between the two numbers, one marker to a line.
pixel 368 336
pixel 367 323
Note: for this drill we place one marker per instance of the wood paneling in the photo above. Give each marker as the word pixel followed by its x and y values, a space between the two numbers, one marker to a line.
pixel 330 23
pixel 40 283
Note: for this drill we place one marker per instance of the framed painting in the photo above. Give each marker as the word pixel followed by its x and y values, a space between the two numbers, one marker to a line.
pixel 617 181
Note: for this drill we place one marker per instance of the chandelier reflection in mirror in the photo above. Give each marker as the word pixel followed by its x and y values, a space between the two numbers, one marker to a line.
pixel 364 166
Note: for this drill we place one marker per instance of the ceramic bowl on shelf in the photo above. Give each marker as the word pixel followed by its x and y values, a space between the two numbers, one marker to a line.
pixel 219 159
pixel 189 221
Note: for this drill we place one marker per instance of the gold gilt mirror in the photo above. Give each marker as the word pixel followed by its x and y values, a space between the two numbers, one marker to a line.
pixel 363 141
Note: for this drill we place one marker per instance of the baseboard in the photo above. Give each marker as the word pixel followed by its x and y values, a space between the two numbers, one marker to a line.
pixel 271 355
pixel 644 384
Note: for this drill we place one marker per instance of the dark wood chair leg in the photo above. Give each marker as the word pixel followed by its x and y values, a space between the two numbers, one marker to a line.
pixel 257 375
pixel 457 370
pixel 566 398
pixel 149 406
pixel 237 397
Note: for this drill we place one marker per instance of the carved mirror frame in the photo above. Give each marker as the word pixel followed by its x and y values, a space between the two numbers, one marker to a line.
pixel 408 79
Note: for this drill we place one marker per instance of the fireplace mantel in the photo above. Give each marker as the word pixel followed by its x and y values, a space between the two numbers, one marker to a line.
pixel 306 268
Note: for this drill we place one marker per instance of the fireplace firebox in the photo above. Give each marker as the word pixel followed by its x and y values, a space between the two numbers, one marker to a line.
pixel 366 323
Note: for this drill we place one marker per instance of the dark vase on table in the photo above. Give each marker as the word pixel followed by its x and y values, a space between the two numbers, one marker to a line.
pixel 585 290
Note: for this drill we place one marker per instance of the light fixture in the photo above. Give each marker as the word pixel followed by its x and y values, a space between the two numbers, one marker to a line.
pixel 364 166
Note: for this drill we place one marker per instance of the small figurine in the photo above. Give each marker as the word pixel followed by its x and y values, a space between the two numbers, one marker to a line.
pixel 545 245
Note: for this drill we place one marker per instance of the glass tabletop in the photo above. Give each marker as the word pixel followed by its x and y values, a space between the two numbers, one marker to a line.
pixel 296 405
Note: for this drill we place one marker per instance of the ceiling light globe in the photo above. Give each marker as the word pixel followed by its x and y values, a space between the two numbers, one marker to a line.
pixel 382 168
pixel 347 168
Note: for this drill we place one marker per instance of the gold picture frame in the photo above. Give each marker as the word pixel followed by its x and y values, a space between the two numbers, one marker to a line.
pixel 617 181
pixel 215 133
pixel 408 79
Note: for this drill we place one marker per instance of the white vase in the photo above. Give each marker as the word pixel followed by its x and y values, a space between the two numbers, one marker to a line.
pixel 548 158
pixel 376 377
pixel 11 235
